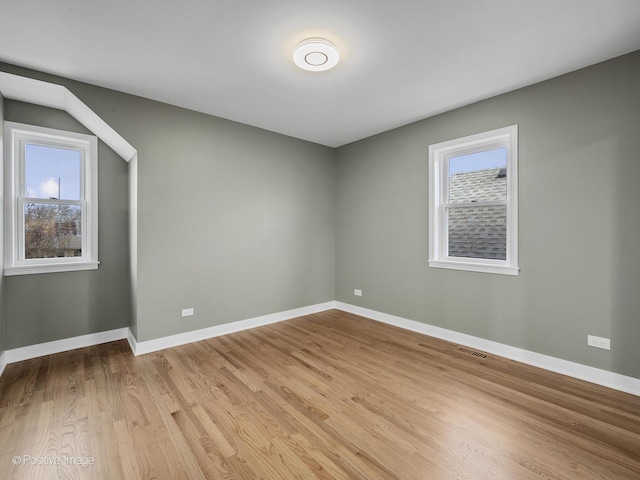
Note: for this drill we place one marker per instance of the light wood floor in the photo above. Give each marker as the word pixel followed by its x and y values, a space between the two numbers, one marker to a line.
pixel 328 396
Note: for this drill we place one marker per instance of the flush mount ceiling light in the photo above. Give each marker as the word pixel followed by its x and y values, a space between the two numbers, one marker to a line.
pixel 316 54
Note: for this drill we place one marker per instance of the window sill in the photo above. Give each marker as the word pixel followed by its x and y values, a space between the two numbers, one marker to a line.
pixel 475 267
pixel 50 268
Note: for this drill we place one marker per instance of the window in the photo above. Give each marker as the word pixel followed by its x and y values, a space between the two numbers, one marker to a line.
pixel 51 200
pixel 473 203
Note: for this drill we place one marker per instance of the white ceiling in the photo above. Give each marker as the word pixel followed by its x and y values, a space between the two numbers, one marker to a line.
pixel 401 60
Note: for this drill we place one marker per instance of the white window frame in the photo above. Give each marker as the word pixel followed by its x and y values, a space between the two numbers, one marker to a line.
pixel 17 135
pixel 439 155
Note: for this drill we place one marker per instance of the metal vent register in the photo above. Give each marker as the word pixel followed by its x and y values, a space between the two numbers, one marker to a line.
pixel 472 352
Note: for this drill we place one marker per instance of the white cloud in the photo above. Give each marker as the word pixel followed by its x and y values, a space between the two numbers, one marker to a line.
pixel 49 188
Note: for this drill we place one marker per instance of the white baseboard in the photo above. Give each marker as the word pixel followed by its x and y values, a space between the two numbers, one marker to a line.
pixel 3 362
pixel 571 369
pixel 148 346
pixel 565 367
pixel 131 338
pixel 57 346
pixel 140 348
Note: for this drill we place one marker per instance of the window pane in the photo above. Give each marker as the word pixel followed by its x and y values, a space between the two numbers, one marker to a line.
pixel 52 231
pixel 478 176
pixel 478 232
pixel 52 172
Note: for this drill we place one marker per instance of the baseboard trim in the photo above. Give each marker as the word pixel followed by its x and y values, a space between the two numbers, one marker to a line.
pixel 3 362
pixel 140 348
pixel 40 350
pixel 149 346
pixel 131 338
pixel 583 372
pixel 576 370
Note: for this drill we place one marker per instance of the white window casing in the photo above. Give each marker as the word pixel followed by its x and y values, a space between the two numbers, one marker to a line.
pixel 439 206
pixel 17 136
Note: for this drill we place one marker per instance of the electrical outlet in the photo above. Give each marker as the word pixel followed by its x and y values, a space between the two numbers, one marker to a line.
pixel 357 292
pixel 187 312
pixel 599 342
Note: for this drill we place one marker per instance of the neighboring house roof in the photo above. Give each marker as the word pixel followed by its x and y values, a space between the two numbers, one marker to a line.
pixel 478 232
pixel 69 242
pixel 75 243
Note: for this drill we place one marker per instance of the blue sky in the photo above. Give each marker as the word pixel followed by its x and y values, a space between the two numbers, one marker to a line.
pixel 478 161
pixel 48 168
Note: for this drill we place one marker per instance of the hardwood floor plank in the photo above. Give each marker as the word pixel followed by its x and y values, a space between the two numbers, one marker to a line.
pixel 180 457
pixel 211 461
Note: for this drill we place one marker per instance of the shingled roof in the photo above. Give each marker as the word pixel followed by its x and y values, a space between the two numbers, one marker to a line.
pixel 478 232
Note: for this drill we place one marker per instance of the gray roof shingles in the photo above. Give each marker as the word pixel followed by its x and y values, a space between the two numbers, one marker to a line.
pixel 478 232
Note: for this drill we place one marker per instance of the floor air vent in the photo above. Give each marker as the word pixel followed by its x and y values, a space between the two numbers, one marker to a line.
pixel 472 352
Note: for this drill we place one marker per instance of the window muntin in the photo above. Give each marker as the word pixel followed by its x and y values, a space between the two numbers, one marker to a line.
pixel 51 176
pixel 473 203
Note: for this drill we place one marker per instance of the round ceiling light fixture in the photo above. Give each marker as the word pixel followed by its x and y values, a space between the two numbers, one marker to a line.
pixel 316 54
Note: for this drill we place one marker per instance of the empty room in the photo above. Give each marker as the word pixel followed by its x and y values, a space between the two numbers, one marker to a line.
pixel 320 240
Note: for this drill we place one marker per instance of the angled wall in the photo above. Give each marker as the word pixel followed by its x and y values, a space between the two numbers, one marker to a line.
pixel 52 306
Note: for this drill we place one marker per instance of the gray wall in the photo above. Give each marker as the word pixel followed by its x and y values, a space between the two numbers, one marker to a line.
pixel 579 214
pixel 51 306
pixel 233 221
